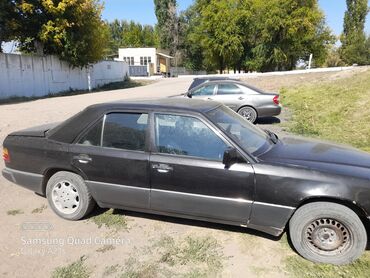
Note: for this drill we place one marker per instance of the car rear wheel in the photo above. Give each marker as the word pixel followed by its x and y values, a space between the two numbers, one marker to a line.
pixel 248 113
pixel 68 196
pixel 327 233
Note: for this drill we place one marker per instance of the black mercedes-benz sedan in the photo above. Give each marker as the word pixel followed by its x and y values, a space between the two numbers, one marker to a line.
pixel 200 160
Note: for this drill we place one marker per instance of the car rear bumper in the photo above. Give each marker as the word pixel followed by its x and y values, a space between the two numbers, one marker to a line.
pixel 28 180
pixel 269 111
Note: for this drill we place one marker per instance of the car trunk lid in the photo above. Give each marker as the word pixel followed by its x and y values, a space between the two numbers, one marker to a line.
pixel 37 131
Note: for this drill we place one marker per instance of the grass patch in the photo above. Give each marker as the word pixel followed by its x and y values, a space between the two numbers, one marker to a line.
pixel 335 110
pixel 111 219
pixel 301 268
pixel 76 270
pixel 110 270
pixel 134 268
pixel 126 84
pixel 192 250
pixel 191 256
pixel 14 212
pixel 40 209
pixel 105 248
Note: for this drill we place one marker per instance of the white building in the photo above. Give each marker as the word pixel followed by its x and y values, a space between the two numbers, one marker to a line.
pixel 156 62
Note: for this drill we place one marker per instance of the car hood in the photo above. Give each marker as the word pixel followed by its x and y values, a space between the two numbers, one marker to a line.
pixel 315 154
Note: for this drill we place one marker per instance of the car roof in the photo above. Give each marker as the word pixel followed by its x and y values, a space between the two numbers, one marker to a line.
pixel 163 104
pixel 200 80
pixel 68 130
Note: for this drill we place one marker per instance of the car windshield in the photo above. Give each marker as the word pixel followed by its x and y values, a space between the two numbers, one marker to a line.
pixel 249 137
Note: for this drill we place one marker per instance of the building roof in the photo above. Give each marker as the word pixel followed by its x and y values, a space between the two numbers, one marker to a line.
pixel 164 55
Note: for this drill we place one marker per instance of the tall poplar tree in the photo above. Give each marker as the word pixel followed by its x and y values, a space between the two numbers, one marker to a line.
pixel 354 49
pixel 168 24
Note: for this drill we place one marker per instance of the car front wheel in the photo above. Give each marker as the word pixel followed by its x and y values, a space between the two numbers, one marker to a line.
pixel 68 196
pixel 327 232
pixel 248 113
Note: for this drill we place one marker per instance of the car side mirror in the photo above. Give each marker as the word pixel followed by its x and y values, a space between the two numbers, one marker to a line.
pixel 188 94
pixel 231 156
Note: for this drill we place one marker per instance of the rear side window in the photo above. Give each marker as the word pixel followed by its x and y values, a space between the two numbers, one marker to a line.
pixel 93 136
pixel 228 89
pixel 125 131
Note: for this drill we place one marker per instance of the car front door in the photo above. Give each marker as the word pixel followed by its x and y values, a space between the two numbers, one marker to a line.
pixel 205 92
pixel 113 156
pixel 187 173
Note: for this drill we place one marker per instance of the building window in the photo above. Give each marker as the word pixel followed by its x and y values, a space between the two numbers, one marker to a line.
pixel 145 60
pixel 129 60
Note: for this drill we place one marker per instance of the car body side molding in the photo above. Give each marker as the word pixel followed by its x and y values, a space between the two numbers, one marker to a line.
pixel 132 196
pixel 270 218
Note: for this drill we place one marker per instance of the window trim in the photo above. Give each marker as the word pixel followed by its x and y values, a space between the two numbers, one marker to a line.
pixel 216 131
pixel 236 85
pixel 103 118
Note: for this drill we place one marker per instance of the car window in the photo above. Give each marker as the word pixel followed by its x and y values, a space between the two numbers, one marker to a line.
pixel 125 131
pixel 185 135
pixel 206 90
pixel 251 138
pixel 228 89
pixel 93 136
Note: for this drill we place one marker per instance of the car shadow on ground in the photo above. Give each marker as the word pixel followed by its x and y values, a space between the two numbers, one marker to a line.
pixel 187 222
pixel 268 121
pixel 204 224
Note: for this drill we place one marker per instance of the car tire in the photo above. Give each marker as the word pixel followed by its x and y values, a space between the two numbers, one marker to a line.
pixel 68 196
pixel 325 232
pixel 248 113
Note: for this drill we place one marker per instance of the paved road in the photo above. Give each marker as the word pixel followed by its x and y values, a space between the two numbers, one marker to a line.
pixel 22 115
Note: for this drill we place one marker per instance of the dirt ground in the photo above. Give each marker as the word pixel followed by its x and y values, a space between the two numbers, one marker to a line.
pixel 34 241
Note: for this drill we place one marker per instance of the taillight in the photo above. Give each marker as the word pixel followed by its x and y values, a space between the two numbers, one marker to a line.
pixel 6 155
pixel 276 99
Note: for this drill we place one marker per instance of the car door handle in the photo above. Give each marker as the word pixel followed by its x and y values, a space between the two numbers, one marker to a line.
pixel 162 168
pixel 209 98
pixel 83 158
pixel 240 98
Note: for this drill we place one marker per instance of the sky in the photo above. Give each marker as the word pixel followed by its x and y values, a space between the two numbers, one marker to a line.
pixel 143 11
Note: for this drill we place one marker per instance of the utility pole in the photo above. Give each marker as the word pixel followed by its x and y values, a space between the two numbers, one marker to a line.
pixel 310 61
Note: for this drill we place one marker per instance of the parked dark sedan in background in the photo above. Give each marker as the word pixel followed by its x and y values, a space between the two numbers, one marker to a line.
pixel 200 160
pixel 248 101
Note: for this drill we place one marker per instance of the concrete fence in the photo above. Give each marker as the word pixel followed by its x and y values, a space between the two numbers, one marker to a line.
pixel 24 75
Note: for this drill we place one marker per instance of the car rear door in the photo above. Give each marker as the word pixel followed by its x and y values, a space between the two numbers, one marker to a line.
pixel 187 174
pixel 114 158
pixel 230 94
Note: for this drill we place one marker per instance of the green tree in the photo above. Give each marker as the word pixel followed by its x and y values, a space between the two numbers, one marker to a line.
pixel 8 21
pixel 219 33
pixel 115 36
pixel 257 34
pixel 192 51
pixel 70 29
pixel 289 30
pixel 353 39
pixel 166 13
pixel 130 34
